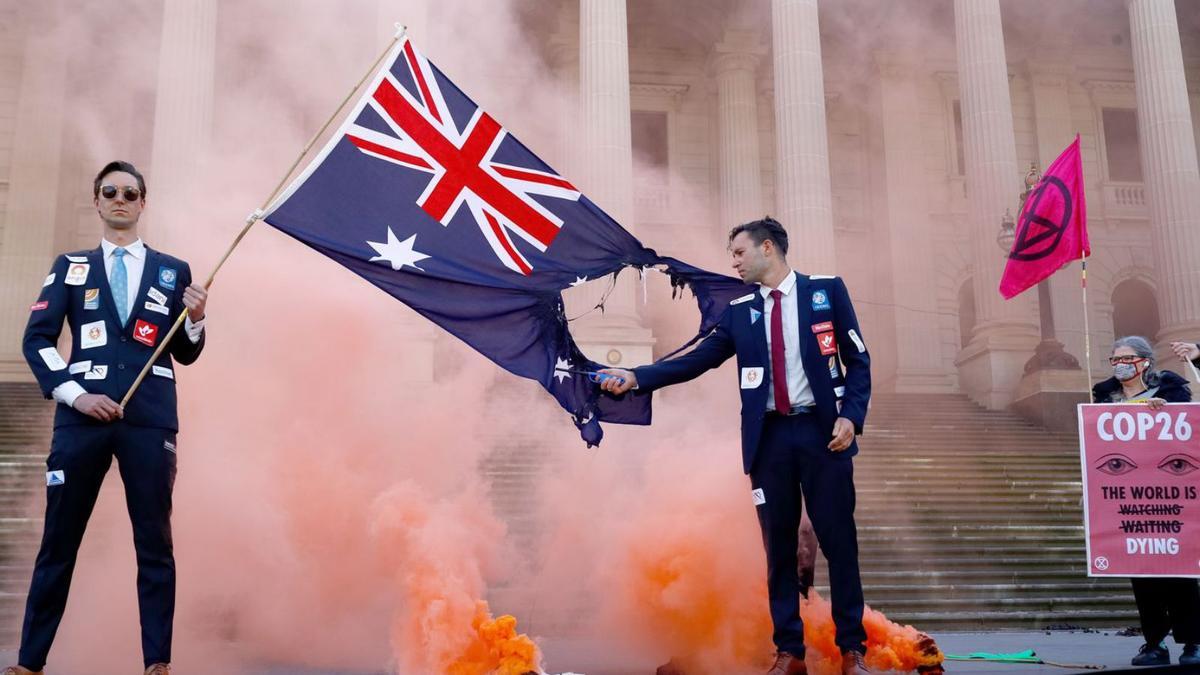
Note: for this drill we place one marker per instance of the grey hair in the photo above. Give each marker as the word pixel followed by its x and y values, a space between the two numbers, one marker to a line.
pixel 1141 346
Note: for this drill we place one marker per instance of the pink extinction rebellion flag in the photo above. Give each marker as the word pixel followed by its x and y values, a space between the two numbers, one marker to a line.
pixel 1052 229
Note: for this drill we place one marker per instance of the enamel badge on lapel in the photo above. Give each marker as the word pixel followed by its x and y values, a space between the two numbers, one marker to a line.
pixel 166 278
pixel 752 377
pixel 76 274
pixel 157 296
pixel 91 298
pixel 94 334
pixel 820 300
pixel 754 314
pixel 827 344
pixel 145 332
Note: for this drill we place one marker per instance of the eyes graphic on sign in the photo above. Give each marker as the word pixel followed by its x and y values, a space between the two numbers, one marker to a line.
pixel 1115 464
pixel 1176 464
pixel 1179 464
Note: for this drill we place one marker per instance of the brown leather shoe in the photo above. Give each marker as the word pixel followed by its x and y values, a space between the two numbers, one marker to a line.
pixel 853 664
pixel 18 670
pixel 788 664
pixel 158 669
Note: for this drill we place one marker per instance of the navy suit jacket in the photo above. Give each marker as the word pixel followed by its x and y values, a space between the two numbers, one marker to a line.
pixel 840 380
pixel 105 357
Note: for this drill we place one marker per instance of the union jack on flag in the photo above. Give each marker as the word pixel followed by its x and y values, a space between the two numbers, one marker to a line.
pixel 461 163
pixel 426 196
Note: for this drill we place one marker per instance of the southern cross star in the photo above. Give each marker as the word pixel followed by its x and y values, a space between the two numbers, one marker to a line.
pixel 579 281
pixel 562 369
pixel 398 253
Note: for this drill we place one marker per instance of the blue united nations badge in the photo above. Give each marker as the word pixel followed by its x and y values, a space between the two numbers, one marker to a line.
pixel 820 300
pixel 166 278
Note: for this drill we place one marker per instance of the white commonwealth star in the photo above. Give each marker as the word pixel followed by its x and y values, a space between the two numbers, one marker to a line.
pixel 579 281
pixel 398 253
pixel 561 368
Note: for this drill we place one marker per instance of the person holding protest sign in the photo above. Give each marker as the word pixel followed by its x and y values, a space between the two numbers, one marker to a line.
pixel 1164 604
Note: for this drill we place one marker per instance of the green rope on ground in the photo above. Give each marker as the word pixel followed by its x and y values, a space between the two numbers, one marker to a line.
pixel 1027 656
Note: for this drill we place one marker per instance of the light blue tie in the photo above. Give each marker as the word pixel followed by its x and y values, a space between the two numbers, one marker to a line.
pixel 118 281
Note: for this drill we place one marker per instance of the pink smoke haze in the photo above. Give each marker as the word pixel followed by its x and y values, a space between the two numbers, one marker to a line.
pixel 329 506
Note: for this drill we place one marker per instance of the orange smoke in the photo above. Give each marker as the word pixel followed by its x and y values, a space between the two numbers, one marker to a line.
pixel 890 646
pixel 682 572
pixel 438 550
pixel 496 648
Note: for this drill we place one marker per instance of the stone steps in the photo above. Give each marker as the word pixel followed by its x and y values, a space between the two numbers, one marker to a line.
pixel 25 422
pixel 967 518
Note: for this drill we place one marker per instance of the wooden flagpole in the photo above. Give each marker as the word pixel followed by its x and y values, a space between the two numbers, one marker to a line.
pixel 1087 333
pixel 258 213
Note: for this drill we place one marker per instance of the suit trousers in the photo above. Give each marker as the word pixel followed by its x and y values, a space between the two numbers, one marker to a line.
pixel 1168 605
pixel 793 464
pixel 83 453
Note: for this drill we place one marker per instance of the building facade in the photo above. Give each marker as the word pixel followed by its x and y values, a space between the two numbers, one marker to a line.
pixel 890 138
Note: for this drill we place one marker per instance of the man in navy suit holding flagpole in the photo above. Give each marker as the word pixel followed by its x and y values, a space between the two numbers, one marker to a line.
pixel 805 380
pixel 119 300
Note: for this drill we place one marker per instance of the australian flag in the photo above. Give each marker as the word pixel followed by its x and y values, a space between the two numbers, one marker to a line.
pixel 429 198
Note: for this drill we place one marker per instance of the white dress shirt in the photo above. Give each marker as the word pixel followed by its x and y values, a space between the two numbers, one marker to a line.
pixel 797 381
pixel 135 265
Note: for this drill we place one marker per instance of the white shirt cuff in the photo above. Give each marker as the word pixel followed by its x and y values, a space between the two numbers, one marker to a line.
pixel 67 392
pixel 194 329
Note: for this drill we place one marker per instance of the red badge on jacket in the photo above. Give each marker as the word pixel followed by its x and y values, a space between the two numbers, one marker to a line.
pixel 827 343
pixel 145 332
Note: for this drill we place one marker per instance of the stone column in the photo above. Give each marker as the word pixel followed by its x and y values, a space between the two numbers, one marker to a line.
pixel 182 115
pixel 736 62
pixel 28 238
pixel 803 194
pixel 1050 82
pixel 604 105
pixel 614 336
pixel 1005 333
pixel 1169 162
pixel 563 53
pixel 1054 383
pixel 918 349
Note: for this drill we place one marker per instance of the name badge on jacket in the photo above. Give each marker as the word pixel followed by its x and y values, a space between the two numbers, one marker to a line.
pixel 752 377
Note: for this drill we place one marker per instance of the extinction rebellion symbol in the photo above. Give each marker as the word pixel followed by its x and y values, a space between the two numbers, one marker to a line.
pixel 1101 563
pixel 1038 236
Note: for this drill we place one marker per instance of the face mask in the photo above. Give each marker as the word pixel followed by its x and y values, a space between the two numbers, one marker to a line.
pixel 1125 371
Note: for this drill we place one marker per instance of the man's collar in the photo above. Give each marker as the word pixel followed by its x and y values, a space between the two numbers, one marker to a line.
pixel 785 286
pixel 137 249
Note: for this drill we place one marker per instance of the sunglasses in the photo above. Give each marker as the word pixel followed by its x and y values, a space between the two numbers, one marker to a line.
pixel 1124 359
pixel 131 194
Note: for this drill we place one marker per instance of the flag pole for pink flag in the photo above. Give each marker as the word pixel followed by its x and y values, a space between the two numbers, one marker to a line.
pixel 1087 333
pixel 258 213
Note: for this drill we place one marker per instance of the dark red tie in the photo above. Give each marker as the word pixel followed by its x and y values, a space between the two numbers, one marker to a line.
pixel 783 402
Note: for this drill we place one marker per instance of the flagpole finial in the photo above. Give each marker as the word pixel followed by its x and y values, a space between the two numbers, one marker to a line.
pixel 401 29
